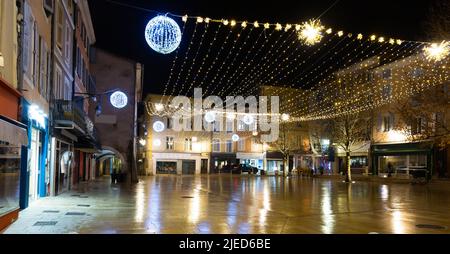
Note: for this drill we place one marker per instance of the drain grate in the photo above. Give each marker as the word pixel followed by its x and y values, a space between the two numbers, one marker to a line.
pixel 50 211
pixel 45 223
pixel 187 197
pixel 75 195
pixel 75 213
pixel 429 226
pixel 1 207
pixel 83 196
pixel 84 205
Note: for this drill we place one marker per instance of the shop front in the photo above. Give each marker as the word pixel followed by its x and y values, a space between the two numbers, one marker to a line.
pixel 275 164
pixel 251 159
pixel 220 160
pixel 178 163
pixel 13 143
pixel 36 178
pixel 399 160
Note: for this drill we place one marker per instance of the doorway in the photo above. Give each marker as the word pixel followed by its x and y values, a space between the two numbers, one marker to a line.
pixel 188 167
pixel 34 164
pixel 204 166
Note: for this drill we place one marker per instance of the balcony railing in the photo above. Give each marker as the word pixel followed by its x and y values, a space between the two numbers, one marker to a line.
pixel 68 115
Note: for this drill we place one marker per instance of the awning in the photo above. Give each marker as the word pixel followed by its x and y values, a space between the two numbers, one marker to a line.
pixel 12 133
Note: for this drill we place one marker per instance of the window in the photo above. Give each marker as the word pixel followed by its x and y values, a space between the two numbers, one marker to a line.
pixel 417 126
pixel 241 144
pixel 216 126
pixel 229 126
pixel 387 91
pixel 169 143
pixel 216 145
pixel 68 45
pixel 241 126
pixel 417 72
pixel 229 146
pixel 28 44
pixel 59 84
pixel 387 74
pixel 388 122
pixel 188 144
pixel 67 90
pixel 59 26
pixel 43 69
pixel 48 5
pixel 169 123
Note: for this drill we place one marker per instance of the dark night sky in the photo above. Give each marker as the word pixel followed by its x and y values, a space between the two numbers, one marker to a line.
pixel 120 29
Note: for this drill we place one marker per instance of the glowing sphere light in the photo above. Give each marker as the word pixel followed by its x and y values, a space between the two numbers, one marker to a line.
pixel 163 34
pixel 210 116
pixel 158 126
pixel 235 137
pixel 118 99
pixel 248 119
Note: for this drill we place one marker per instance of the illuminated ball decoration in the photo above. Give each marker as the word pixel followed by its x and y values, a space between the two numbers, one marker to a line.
pixel 248 119
pixel 163 34
pixel 158 126
pixel 210 116
pixel 235 137
pixel 118 99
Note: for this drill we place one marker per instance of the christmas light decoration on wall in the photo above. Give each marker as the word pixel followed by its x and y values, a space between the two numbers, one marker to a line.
pixel 437 52
pixel 311 32
pixel 163 34
pixel 118 99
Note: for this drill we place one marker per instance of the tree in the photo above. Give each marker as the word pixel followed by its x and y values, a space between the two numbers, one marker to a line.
pixel 437 24
pixel 423 117
pixel 350 132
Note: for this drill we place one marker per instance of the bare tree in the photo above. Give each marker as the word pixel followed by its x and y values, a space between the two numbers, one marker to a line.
pixel 437 24
pixel 350 132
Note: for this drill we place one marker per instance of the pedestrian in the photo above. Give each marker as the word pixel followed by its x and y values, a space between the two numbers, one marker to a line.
pixel 390 169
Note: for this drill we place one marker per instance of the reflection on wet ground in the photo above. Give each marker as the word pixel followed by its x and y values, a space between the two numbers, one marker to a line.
pixel 242 204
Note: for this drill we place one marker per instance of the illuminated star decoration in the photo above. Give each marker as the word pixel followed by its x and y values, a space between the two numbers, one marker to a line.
pixel 437 52
pixel 311 32
pixel 163 34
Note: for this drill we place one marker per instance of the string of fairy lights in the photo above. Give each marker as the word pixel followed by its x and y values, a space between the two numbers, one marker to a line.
pixel 302 62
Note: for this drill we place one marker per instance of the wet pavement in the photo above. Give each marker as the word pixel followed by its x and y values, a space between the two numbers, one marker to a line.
pixel 241 204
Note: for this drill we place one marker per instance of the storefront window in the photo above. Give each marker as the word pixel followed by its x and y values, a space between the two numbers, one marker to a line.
pixel 9 177
pixel 358 162
pixel 166 167
pixel 402 164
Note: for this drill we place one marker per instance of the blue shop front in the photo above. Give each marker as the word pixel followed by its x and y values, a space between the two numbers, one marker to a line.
pixel 35 173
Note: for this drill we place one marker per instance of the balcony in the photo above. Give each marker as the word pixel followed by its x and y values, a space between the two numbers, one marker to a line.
pixel 68 115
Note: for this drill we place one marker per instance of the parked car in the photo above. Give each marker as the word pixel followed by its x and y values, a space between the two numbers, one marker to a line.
pixel 249 169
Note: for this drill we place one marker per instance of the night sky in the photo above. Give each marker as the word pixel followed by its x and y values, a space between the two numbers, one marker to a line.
pixel 120 29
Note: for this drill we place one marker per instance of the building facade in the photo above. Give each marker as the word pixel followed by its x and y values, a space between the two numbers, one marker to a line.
pixel 13 134
pixel 118 123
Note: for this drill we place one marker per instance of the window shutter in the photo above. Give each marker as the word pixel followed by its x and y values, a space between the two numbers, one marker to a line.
pixel 26 39
pixel 36 55
pixel 379 123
